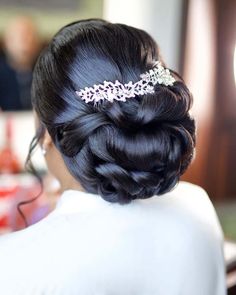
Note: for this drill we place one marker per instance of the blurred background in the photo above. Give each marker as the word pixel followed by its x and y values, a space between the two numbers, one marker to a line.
pixel 197 38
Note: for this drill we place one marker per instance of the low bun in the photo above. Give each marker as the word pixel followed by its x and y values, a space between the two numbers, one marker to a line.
pixel 126 162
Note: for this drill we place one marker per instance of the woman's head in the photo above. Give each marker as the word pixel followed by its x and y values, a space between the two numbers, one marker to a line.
pixel 121 150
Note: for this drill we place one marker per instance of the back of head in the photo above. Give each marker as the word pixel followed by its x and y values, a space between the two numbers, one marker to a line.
pixel 121 150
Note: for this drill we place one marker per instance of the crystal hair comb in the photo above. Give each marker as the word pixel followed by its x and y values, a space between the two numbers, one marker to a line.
pixel 117 91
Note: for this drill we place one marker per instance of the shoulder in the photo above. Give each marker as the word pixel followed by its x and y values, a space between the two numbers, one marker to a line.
pixel 195 204
pixel 188 216
pixel 205 239
pixel 32 236
pixel 30 257
pixel 185 199
pixel 202 223
pixel 192 197
pixel 30 245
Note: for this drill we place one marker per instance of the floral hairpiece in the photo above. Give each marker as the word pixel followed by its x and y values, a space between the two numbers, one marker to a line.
pixel 117 91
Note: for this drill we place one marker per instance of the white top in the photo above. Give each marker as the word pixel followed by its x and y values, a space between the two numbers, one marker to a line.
pixel 166 245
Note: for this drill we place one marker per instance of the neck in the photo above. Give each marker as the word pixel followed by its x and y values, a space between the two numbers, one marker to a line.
pixel 70 184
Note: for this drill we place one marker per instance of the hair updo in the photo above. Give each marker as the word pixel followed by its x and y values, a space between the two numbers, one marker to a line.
pixel 121 150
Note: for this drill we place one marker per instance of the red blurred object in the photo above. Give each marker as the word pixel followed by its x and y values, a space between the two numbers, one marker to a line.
pixel 9 162
pixel 6 191
pixel 6 194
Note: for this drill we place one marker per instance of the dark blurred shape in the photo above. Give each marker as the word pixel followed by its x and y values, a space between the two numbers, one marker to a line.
pixel 21 47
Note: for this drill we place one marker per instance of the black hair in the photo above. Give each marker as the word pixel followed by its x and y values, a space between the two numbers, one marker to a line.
pixel 121 150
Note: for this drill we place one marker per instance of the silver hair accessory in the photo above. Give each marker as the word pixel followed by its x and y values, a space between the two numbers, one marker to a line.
pixel 117 91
